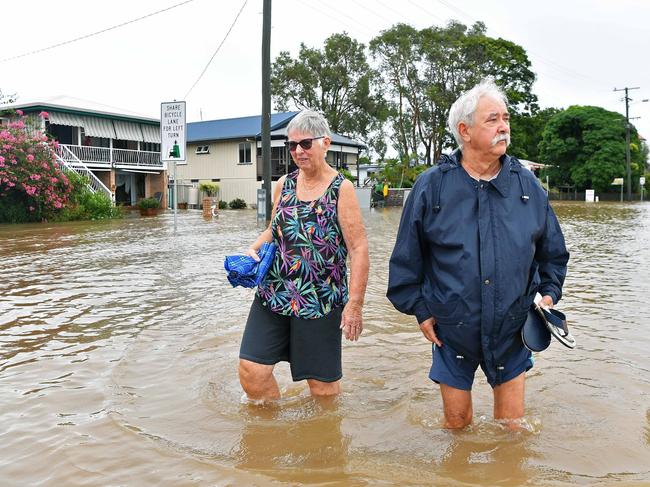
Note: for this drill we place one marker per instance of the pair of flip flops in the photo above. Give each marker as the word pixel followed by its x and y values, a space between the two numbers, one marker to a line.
pixel 542 324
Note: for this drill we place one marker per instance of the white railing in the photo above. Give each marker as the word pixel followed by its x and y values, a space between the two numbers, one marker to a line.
pixel 128 157
pixel 118 157
pixel 71 162
pixel 88 154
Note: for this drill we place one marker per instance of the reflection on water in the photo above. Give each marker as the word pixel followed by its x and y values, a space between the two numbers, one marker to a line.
pixel 118 364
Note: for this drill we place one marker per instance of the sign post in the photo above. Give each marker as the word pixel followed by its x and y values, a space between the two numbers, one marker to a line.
pixel 641 186
pixel 173 132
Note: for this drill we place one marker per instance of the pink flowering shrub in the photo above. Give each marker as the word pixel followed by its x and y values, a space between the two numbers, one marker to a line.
pixel 32 185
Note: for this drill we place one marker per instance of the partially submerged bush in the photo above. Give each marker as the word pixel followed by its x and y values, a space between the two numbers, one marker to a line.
pixel 237 204
pixel 145 203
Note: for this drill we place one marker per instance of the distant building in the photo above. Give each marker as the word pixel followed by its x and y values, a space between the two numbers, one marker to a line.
pixel 229 152
pixel 120 148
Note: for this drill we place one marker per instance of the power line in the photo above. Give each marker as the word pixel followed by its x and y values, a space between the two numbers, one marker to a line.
pixel 70 41
pixel 217 50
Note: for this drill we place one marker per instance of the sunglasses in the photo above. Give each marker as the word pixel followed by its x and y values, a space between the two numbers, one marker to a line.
pixel 304 143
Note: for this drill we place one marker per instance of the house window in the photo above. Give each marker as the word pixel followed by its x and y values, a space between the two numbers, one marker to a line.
pixel 202 149
pixel 245 153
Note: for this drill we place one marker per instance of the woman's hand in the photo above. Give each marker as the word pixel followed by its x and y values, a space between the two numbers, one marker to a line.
pixel 351 321
pixel 251 252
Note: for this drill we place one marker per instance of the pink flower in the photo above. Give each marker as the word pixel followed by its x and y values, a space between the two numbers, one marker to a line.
pixel 30 158
pixel 2 159
pixel 53 180
pixel 35 177
pixel 31 208
pixel 58 204
pixel 19 112
pixel 44 115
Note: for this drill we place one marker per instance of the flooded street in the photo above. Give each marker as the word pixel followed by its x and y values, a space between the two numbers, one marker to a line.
pixel 118 366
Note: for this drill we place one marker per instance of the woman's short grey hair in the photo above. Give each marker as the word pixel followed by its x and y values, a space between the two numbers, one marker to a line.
pixel 310 122
pixel 464 108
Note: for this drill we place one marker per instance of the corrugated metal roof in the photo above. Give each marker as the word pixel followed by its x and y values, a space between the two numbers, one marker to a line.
pixel 336 138
pixel 233 128
pixel 250 127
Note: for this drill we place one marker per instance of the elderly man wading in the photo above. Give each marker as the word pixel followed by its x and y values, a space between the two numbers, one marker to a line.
pixel 478 238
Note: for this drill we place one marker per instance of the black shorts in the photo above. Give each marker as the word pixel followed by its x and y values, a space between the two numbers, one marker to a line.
pixel 312 347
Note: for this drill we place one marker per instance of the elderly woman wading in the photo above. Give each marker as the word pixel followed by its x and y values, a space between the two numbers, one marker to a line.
pixel 305 301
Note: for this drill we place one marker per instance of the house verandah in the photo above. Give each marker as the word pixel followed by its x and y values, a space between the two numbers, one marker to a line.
pixel 118 151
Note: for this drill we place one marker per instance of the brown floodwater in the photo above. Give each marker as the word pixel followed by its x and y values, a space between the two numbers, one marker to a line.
pixel 118 366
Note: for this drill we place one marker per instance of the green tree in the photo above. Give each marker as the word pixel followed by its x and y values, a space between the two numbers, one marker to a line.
pixel 585 146
pixel 336 81
pixel 526 132
pixel 425 72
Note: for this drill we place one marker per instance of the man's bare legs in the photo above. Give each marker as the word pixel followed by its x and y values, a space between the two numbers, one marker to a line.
pixel 508 403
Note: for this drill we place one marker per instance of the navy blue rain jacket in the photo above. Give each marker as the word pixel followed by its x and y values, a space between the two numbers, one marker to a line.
pixel 472 254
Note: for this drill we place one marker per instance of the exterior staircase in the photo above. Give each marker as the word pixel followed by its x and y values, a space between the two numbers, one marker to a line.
pixel 70 162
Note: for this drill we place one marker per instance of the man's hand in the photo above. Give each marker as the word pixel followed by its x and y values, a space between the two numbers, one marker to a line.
pixel 546 302
pixel 351 321
pixel 427 330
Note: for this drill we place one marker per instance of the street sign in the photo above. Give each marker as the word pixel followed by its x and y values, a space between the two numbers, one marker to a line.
pixel 173 131
pixel 642 180
pixel 617 182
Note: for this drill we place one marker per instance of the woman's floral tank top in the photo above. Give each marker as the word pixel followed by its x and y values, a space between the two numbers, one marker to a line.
pixel 308 277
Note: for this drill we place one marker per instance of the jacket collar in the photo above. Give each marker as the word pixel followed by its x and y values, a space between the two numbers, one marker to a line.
pixel 502 182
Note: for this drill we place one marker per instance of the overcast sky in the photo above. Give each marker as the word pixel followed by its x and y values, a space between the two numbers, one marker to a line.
pixel 580 49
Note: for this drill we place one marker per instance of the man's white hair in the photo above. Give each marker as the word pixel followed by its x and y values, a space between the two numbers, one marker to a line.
pixel 464 108
pixel 310 122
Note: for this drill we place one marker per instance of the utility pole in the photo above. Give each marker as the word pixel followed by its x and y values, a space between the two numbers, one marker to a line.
pixel 628 166
pixel 266 104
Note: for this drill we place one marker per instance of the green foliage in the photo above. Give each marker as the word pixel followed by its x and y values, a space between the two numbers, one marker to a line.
pixel 348 175
pixel 237 204
pixel 399 173
pixel 145 203
pixel 13 209
pixel 585 146
pixel 211 189
pixel 526 132
pixel 223 205
pixel 90 206
pixel 425 71
pixel 336 81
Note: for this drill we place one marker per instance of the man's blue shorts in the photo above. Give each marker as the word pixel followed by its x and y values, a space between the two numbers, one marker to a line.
pixel 452 369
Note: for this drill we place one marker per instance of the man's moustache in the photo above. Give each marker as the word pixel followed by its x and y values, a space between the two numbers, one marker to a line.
pixel 501 137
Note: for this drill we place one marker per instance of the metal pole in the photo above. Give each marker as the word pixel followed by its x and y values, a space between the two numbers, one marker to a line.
pixel 175 197
pixel 628 166
pixel 266 104
pixel 358 155
pixel 621 193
